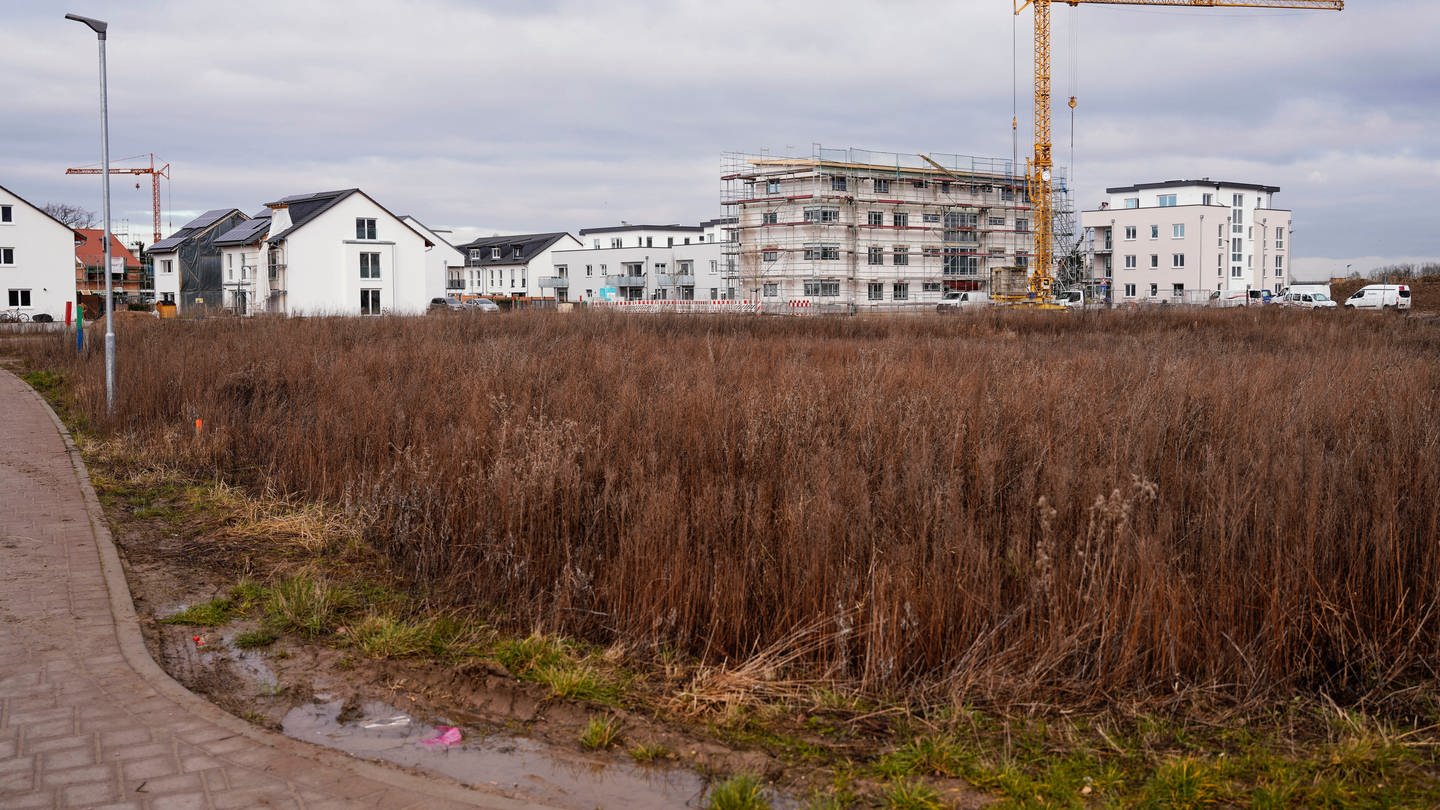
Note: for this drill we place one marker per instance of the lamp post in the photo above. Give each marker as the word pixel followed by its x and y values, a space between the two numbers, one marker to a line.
pixel 99 28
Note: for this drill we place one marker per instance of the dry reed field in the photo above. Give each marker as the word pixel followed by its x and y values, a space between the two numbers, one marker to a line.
pixel 1019 507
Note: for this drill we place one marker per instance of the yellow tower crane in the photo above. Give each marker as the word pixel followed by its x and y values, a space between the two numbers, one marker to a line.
pixel 1039 167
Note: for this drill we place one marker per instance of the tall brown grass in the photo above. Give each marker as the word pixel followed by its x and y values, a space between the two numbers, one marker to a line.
pixel 1022 506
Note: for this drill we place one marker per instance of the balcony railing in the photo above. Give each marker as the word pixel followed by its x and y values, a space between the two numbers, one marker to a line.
pixel 625 281
pixel 554 281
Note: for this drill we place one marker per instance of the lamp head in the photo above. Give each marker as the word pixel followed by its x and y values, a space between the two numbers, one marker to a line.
pixel 98 26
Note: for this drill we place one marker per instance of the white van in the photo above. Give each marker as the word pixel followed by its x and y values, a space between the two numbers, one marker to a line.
pixel 1304 300
pixel 1380 296
pixel 956 300
pixel 1323 289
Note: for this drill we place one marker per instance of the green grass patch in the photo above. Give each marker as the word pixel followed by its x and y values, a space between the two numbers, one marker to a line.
pixel 647 754
pixel 307 605
pixel 214 613
pixel 601 733
pixel 255 639
pixel 741 792
pixel 909 794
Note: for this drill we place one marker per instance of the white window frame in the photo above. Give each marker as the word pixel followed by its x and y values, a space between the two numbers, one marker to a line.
pixel 1177 231
pixel 19 298
pixel 7 214
pixel 882 186
pixel 365 229
pixel 901 255
pixel 900 291
pixel 369 266
pixel 7 257
pixel 1177 260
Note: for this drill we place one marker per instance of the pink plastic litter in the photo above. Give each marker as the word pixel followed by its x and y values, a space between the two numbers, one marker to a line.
pixel 445 736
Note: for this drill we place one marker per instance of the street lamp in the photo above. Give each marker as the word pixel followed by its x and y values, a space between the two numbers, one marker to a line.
pixel 99 28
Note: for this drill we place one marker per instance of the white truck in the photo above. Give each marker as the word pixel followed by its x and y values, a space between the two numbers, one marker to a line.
pixel 1380 296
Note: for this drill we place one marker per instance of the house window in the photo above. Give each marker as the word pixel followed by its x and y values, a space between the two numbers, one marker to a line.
pixel 562 270
pixel 516 251
pixel 1022 260
pixel 769 256
pixel 1235 272
pixel 167 265
pixel 6 214
pixel 902 254
pixel 772 289
pixel 1279 238
pixel 1022 225
pixel 1177 231
pixel 1237 200
pixel 822 214
pixel 770 218
pixel 369 265
pixel 993 221
pixel 931 219
pixel 771 187
pixel 1167 200
pixel 589 269
pixel 19 298
pixel 369 302
pixel 669 241
pixel 1177 260
pixel 1007 194
pixel 876 255
pixel 1154 231
pixel 474 254
pixel 1154 290
pixel 875 291
pixel 932 286
pixel 901 291
pixel 1129 290
pixel 829 288
pixel 837 183
pixel 494 252
pixel 1130 263
pixel 1178 290
pixel 1154 259
pixel 822 252
pixel 364 228
pixel 1132 202
pixel 877 218
pixel 7 256
pixel 882 186
pixel 900 220
pixel 1130 232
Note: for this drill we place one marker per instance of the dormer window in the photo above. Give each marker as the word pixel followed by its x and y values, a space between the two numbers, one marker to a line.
pixel 494 252
pixel 474 254
pixel 515 251
pixel 364 228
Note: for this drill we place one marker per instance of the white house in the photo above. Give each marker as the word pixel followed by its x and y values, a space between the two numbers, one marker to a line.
pixel 647 262
pixel 37 259
pixel 442 258
pixel 341 252
pixel 1181 240
pixel 241 252
pixel 521 265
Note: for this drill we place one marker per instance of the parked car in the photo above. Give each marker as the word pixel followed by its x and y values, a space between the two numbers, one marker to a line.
pixel 1380 296
pixel 444 305
pixel 1229 298
pixel 1304 300
pixel 482 305
pixel 956 300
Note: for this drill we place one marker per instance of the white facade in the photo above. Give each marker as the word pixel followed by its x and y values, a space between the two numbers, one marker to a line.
pixel 167 279
pixel 646 263
pixel 871 229
pixel 514 266
pixel 325 266
pixel 37 259
pixel 1179 241
pixel 442 259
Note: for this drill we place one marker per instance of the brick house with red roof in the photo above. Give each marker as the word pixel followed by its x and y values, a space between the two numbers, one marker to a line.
pixel 90 258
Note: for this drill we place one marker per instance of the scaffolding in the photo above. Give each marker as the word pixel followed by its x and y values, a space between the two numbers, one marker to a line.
pixel 859 228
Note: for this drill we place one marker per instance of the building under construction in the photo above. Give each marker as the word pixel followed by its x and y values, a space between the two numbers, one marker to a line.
pixel 873 229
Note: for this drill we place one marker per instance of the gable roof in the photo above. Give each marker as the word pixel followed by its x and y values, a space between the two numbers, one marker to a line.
pixel 91 251
pixel 196 226
pixel 425 231
pixel 530 244
pixel 42 211
pixel 305 208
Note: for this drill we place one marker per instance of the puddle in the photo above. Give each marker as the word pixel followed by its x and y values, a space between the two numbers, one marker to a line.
pixel 518 766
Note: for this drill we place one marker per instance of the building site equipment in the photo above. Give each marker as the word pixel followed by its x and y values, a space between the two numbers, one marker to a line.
pixel 155 175
pixel 1041 166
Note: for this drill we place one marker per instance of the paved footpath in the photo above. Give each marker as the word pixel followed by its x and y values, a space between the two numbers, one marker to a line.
pixel 87 719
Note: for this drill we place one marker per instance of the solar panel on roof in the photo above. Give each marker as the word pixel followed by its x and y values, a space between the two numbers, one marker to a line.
pixel 208 218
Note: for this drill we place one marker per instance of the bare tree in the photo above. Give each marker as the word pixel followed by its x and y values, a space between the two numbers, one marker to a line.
pixel 72 215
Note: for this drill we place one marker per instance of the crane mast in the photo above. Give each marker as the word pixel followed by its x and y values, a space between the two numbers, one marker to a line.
pixel 1040 168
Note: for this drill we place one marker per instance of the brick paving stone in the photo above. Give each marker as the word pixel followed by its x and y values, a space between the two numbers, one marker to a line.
pixel 86 717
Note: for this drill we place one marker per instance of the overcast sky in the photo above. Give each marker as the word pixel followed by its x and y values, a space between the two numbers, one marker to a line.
pixel 502 116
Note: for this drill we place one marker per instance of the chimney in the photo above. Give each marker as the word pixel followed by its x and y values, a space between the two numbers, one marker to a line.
pixel 279 219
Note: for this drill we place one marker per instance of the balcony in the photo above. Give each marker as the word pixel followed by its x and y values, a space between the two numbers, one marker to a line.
pixel 684 280
pixel 625 281
pixel 553 281
pixel 664 280
pixel 454 284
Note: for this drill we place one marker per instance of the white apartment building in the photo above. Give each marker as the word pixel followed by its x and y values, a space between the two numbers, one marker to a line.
pixel 872 229
pixel 37 259
pixel 442 259
pixel 646 263
pixel 515 266
pixel 1181 240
